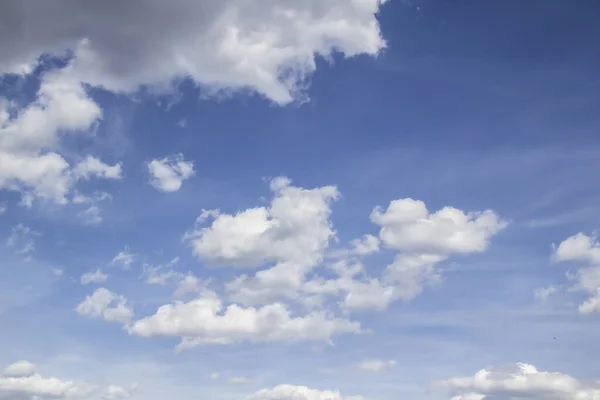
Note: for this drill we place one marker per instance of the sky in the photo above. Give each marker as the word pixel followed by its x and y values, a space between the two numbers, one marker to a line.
pixel 308 200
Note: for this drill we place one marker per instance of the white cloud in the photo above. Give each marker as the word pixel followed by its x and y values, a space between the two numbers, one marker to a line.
pixel 93 277
pixel 291 392
pixel 104 303
pixel 19 369
pixel 214 376
pixel 30 137
pixel 377 365
pixel 20 381
pixel 583 248
pixel 92 167
pixel 269 48
pixel 21 239
pixel 92 213
pixel 522 382
pixel 116 392
pixel 366 245
pixel 205 320
pixel 3 208
pixel 294 228
pixel 542 294
pixel 408 226
pixel 188 284
pixel 168 173
pixel 124 258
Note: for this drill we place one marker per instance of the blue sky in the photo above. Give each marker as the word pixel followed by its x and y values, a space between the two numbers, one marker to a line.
pixel 320 200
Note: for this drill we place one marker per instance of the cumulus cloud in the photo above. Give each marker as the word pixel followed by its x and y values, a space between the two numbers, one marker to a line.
pixel 30 137
pixel 21 381
pixel 523 381
pixel 586 249
pixel 167 174
pixel 104 303
pixel 268 48
pixel 291 392
pixel 116 392
pixel 19 369
pixel 377 365
pixel 93 277
pixel 205 320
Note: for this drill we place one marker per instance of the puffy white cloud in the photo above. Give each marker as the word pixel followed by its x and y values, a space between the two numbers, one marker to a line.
pixel 29 137
pixel 92 167
pixel 205 320
pixel 291 392
pixel 377 365
pixel 522 382
pixel 104 303
pixel 93 277
pixel 586 249
pixel 294 228
pixel 168 173
pixel 20 381
pixel 268 47
pixel 408 226
pixel 19 369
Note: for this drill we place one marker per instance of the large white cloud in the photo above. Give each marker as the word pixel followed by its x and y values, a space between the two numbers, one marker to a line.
pixel 292 392
pixel 205 320
pixel 586 249
pixel 523 382
pixel 268 47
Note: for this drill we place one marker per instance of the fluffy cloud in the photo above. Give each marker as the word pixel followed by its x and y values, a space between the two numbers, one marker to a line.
pixel 205 320
pixel 93 277
pixel 104 303
pixel 586 249
pixel 408 226
pixel 522 382
pixel 20 381
pixel 29 137
pixel 116 392
pixel 19 369
pixel 269 48
pixel 291 392
pixel 294 228
pixel 168 173
pixel 377 365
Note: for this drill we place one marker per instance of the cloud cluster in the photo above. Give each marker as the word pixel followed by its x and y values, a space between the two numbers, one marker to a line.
pixel 30 137
pixel 586 249
pixel 523 381
pixel 269 47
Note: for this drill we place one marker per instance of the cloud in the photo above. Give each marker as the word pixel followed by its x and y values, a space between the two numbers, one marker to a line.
pixel 124 258
pixel 92 213
pixel 30 137
pixel 205 320
pixel 168 173
pixel 268 48
pixel 19 369
pixel 523 381
pixel 20 381
pixel 294 228
pixel 586 249
pixel 291 392
pixel 21 239
pixel 93 277
pixel 99 305
pixel 377 365
pixel 116 392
